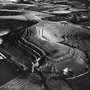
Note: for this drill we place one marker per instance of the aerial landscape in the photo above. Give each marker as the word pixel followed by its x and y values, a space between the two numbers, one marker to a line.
pixel 44 44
